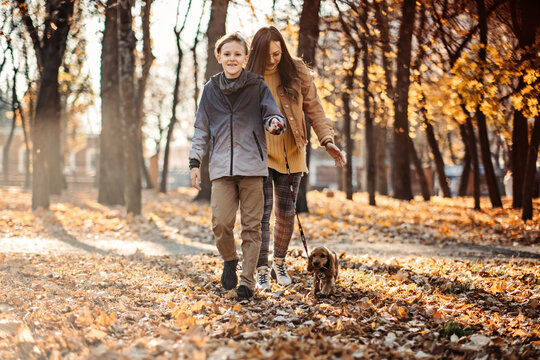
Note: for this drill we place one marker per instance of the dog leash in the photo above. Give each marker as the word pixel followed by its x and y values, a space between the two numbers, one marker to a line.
pixel 291 187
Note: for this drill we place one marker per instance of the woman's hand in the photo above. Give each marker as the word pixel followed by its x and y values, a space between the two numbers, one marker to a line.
pixel 339 157
pixel 195 175
pixel 276 127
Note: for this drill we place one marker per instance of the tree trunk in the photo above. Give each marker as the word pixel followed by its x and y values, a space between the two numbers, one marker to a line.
pixel 347 124
pixel 476 168
pixel 126 57
pixel 424 188
pixel 381 134
pixel 401 177
pixel 381 180
pixel 7 146
pixel 370 135
pixel 216 29
pixel 489 172
pixel 308 37
pixel 111 152
pixel 437 157
pixel 524 23
pixel 46 128
pixel 464 179
pixel 148 59
pixel 530 172
pixel 172 123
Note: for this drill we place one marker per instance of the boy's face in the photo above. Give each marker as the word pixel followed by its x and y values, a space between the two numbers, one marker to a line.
pixel 232 57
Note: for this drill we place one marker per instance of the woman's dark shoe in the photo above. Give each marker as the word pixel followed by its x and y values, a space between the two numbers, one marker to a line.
pixel 228 277
pixel 244 292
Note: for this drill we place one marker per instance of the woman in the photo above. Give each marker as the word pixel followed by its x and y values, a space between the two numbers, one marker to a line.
pixel 293 89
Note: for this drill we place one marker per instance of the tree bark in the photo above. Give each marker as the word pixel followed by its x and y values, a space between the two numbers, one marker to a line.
pixel 347 124
pixel 381 181
pixel 401 177
pixel 172 123
pixel 525 24
pixel 148 59
pixel 47 176
pixel 464 179
pixel 530 172
pixel 216 29
pixel 489 172
pixel 370 134
pixel 382 129
pixel 476 168
pixel 437 156
pixel 424 188
pixel 308 37
pixel 14 107
pixel 126 57
pixel 111 152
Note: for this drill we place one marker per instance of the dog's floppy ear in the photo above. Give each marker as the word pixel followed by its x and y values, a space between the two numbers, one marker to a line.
pixel 310 263
pixel 333 263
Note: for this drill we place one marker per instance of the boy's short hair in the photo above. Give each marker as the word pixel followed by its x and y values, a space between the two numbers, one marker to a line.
pixel 227 38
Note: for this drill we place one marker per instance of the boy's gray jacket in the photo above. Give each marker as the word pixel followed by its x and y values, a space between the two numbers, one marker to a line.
pixel 234 134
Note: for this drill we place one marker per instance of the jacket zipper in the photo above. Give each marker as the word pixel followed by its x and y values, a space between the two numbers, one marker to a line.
pixel 232 142
pixel 258 145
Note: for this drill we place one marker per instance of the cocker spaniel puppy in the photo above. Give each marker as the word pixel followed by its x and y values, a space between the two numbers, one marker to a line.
pixel 323 263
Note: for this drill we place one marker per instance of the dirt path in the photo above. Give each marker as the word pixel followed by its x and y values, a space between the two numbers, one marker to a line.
pixel 159 247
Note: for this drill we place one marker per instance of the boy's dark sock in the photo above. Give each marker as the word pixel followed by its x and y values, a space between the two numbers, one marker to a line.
pixel 228 277
pixel 244 292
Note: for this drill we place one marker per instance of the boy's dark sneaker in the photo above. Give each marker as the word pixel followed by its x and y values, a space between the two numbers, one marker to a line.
pixel 244 292
pixel 228 277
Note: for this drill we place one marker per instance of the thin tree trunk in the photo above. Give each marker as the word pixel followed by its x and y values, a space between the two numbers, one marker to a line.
pixel 148 59
pixel 347 124
pixel 464 179
pixel 489 172
pixel 524 15
pixel 216 29
pixel 111 152
pixel 401 176
pixel 370 134
pixel 530 172
pixel 424 188
pixel 476 168
pixel 195 62
pixel 46 131
pixel 437 156
pixel 126 47
pixel 172 123
pixel 381 180
pixel 382 130
pixel 308 36
pixel 14 107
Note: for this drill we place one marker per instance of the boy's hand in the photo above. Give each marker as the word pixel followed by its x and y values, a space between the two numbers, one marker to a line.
pixel 195 175
pixel 276 127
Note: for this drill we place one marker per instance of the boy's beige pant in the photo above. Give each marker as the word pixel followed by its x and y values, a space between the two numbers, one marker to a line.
pixel 227 193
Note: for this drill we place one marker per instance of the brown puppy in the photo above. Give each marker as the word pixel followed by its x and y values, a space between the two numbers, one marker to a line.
pixel 323 263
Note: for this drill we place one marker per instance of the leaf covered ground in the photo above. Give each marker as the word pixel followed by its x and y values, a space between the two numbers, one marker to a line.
pixel 105 305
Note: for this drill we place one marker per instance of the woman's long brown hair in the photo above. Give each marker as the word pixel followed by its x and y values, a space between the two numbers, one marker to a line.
pixel 259 54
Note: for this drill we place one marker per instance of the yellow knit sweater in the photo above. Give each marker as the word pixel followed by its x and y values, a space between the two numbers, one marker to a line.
pixel 295 155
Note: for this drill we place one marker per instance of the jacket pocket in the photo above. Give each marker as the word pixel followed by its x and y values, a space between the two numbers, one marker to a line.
pixel 258 146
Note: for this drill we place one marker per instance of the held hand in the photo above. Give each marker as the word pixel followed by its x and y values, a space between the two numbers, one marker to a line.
pixel 339 157
pixel 276 127
pixel 195 175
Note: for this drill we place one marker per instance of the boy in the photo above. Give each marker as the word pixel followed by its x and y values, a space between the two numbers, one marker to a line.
pixel 235 107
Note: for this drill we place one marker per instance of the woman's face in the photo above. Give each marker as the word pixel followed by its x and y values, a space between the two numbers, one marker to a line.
pixel 274 55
